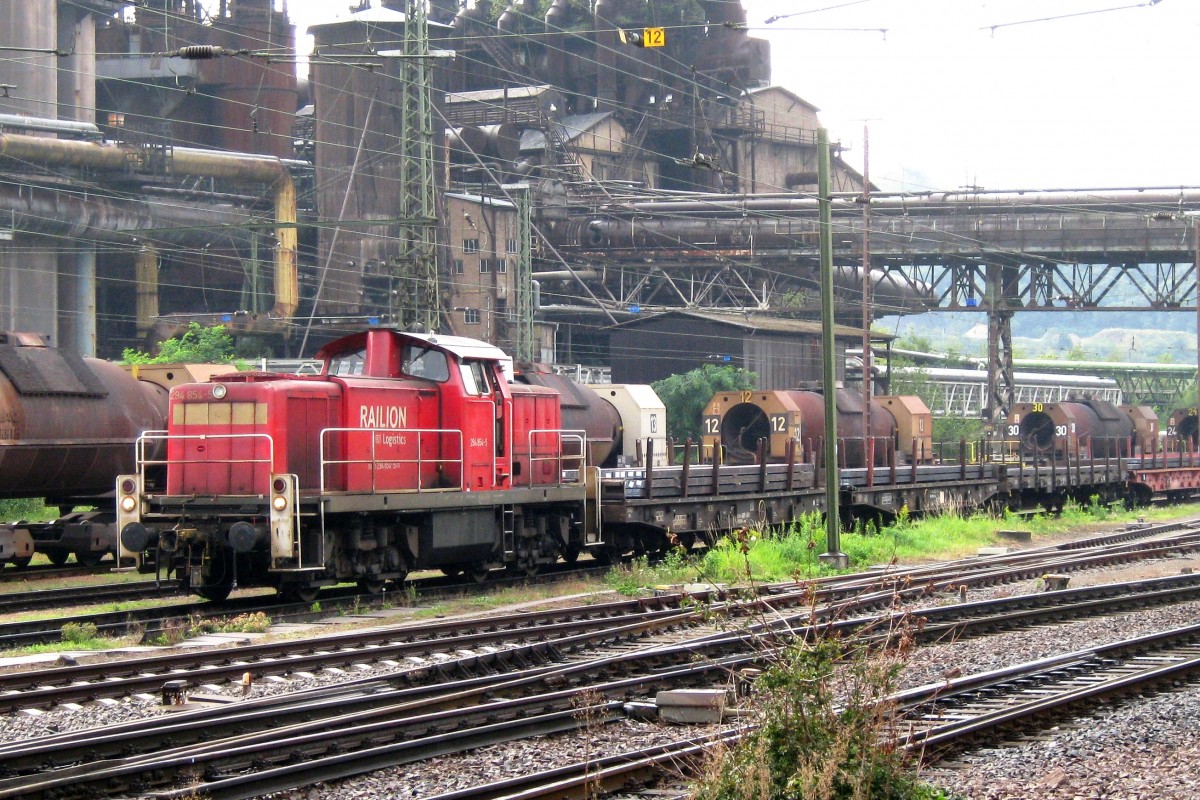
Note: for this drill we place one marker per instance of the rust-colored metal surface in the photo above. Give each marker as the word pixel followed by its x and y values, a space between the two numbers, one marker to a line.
pixel 1145 428
pixel 738 420
pixel 1078 429
pixel 68 425
pixel 582 409
pixel 1183 426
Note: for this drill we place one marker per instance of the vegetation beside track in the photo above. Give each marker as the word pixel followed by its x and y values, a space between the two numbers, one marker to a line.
pixel 822 721
pixel 792 553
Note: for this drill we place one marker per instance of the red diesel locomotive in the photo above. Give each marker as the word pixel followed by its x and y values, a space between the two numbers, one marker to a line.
pixel 409 451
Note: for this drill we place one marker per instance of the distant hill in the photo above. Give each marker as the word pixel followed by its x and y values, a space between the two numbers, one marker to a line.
pixel 1086 335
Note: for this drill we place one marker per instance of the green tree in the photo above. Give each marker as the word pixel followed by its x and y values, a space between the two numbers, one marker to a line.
pixel 686 395
pixel 198 345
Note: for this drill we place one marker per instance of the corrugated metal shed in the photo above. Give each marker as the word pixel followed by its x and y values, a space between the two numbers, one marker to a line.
pixel 784 353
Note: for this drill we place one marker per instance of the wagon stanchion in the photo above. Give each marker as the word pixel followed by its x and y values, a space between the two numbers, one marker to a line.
pixel 761 455
pixel 649 480
pixel 716 469
pixel 891 448
pixel 1079 467
pixel 790 455
pixel 1091 461
pixel 869 453
pixel 687 467
pixel 815 459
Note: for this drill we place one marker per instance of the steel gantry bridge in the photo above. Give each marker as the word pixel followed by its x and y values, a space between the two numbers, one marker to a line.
pixel 993 252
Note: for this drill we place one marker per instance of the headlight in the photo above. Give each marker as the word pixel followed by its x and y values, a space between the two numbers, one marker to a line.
pixel 219 391
pixel 279 503
pixel 128 504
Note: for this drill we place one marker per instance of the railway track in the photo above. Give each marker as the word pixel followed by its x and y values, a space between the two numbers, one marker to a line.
pixel 1110 548
pixel 18 602
pixel 984 707
pixel 37 572
pixel 149 622
pixel 835 600
pixel 369 711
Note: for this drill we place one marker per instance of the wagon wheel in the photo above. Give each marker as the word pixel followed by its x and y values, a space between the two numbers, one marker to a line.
pixel 21 562
pixel 89 558
pixel 479 573
pixel 58 557
pixel 216 592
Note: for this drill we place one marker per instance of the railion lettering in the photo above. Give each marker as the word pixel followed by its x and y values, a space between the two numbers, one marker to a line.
pixel 383 417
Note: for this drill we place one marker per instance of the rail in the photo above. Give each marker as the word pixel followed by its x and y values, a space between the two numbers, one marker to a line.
pixel 396 438
pixel 152 443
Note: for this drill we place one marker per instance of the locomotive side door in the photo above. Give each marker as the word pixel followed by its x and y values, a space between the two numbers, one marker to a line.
pixel 482 418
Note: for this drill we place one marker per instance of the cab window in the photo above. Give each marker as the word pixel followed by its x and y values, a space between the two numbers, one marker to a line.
pixel 350 363
pixel 475 378
pixel 425 362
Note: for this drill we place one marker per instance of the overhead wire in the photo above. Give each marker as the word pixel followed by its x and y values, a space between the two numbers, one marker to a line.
pixel 383 154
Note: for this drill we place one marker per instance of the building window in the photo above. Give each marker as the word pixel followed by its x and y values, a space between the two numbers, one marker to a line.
pixel 502 309
pixel 484 266
pixel 471 316
pixel 458 266
pixel 511 246
pixel 501 265
pixel 470 245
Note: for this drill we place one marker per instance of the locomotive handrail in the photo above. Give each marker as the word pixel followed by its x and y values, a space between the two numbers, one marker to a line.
pixel 559 456
pixel 193 458
pixel 420 461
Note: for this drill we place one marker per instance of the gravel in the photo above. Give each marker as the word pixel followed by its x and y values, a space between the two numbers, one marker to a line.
pixel 1137 750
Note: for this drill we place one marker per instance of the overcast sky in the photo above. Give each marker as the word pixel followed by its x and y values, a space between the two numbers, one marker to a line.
pixel 1100 99
pixel 1095 100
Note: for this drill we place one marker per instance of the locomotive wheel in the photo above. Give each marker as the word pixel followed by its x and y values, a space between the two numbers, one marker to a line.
pixel 58 557
pixel 301 593
pixel 371 585
pixel 453 572
pixel 479 573
pixel 22 562
pixel 570 555
pixel 217 592
pixel 89 559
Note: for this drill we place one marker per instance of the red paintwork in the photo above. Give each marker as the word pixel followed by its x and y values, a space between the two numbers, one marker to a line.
pixel 394 412
pixel 235 462
pixel 535 458
pixel 1168 480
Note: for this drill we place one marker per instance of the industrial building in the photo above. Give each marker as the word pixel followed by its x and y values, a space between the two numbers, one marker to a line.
pixel 160 164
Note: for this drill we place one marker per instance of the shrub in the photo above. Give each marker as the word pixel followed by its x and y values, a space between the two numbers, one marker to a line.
pixel 80 633
pixel 242 623
pixel 822 733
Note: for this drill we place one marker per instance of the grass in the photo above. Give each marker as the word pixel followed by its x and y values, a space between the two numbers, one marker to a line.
pixel 792 553
pixel 28 509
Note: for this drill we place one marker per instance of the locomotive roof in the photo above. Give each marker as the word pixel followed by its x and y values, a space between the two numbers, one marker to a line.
pixel 459 346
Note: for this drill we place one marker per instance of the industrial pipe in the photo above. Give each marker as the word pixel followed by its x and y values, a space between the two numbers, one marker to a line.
pixel 239 167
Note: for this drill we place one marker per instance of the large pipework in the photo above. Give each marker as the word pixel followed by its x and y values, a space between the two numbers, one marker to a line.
pixel 54 212
pixel 237 167
pixel 718 205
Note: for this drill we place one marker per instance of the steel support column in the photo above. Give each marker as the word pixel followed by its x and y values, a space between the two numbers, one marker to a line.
pixel 418 202
pixel 1001 394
